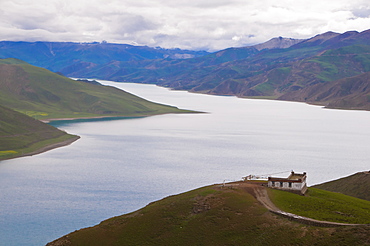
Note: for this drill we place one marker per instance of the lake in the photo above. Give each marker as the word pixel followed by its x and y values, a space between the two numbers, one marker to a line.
pixel 121 165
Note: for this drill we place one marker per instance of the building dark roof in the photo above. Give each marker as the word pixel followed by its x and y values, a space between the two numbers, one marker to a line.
pixel 293 177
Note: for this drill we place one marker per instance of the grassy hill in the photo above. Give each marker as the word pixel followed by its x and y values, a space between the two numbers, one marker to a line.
pixel 22 135
pixel 211 216
pixel 42 94
pixel 323 205
pixel 45 95
pixel 356 185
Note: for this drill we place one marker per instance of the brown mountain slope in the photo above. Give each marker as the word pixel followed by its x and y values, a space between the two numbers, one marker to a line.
pixel 350 93
pixel 357 185
pixel 278 43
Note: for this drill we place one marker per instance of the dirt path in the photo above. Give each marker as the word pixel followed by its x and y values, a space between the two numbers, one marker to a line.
pixel 263 197
pixel 260 193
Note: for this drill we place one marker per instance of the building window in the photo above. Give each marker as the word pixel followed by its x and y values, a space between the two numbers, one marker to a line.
pixel 290 184
pixel 281 184
pixel 273 183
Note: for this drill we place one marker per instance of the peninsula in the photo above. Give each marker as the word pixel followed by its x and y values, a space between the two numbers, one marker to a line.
pixel 29 94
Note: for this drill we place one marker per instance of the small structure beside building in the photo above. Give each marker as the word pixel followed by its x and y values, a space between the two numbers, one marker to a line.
pixel 296 182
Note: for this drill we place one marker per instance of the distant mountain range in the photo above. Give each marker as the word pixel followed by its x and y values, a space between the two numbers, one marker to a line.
pixel 329 69
pixel 58 56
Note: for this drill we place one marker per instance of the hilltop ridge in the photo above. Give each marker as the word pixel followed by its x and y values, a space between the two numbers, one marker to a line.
pixel 55 56
pixel 216 215
pixel 278 43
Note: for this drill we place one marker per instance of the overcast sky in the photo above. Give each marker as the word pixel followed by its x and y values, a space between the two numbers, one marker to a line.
pixel 187 24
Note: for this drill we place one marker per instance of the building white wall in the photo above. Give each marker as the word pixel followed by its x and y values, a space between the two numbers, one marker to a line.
pixel 286 186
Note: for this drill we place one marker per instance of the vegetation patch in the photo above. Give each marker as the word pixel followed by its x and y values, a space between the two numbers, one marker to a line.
pixel 7 153
pixel 323 205
pixel 34 114
pixel 274 78
pixel 357 185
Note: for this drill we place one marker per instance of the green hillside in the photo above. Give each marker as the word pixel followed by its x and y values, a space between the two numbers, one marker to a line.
pixel 23 135
pixel 357 185
pixel 42 94
pixel 323 205
pixel 211 216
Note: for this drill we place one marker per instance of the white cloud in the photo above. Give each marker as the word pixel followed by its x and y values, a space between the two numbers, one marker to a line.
pixel 191 24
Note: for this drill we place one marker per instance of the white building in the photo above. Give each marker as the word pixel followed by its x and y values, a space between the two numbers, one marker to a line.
pixel 296 182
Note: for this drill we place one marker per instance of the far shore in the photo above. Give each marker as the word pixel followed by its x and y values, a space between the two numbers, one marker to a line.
pixel 118 116
pixel 89 118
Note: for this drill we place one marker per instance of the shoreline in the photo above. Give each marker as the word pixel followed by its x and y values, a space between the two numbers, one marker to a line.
pixel 75 137
pixel 118 116
pixel 89 118
pixel 323 105
pixel 53 146
pixel 47 148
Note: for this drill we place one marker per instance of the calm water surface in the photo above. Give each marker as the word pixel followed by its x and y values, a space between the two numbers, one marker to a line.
pixel 121 165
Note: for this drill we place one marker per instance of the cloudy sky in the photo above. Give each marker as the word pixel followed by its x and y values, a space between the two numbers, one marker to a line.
pixel 188 24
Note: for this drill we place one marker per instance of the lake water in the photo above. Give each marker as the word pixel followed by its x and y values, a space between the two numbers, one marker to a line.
pixel 119 166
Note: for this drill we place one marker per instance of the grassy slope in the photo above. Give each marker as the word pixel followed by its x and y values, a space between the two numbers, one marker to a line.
pixel 323 205
pixel 210 216
pixel 44 95
pixel 357 185
pixel 20 134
